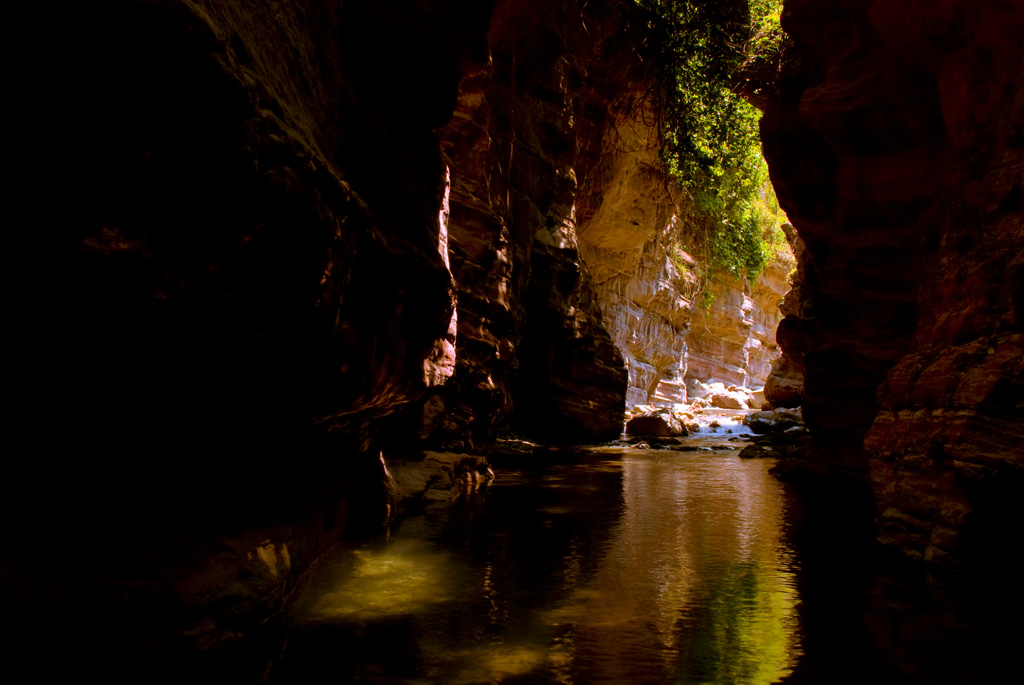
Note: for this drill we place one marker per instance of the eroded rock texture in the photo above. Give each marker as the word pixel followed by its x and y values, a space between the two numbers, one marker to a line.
pixel 648 291
pixel 733 340
pixel 530 333
pixel 237 289
pixel 235 276
pixel 897 149
pixel 234 287
pixel 784 386
pixel 645 298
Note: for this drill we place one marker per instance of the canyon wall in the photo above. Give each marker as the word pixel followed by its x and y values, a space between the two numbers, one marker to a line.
pixel 648 291
pixel 234 275
pixel 531 343
pixel 896 146
pixel 784 386
pixel 258 244
pixel 653 313
pixel 265 244
pixel 631 208
pixel 733 340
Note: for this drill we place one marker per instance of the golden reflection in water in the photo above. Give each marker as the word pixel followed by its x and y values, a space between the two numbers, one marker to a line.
pixel 404 577
pixel 492 663
pixel 696 577
pixel 694 584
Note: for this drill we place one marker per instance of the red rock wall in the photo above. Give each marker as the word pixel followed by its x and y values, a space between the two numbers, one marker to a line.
pixel 530 334
pixel 896 146
pixel 227 223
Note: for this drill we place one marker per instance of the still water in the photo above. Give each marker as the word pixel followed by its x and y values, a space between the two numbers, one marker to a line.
pixel 619 565
pixel 613 566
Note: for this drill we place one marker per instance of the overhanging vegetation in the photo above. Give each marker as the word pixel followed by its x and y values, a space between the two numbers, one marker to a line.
pixel 704 52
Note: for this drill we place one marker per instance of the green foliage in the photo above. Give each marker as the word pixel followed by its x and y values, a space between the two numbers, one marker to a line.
pixel 711 141
pixel 765 211
pixel 678 257
pixel 707 299
pixel 766 34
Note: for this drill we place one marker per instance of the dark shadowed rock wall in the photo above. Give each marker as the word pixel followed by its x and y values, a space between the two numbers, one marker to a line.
pixel 531 346
pixel 238 286
pixel 896 146
pixel 233 276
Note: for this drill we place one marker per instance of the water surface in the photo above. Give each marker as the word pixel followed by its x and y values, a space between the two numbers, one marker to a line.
pixel 610 566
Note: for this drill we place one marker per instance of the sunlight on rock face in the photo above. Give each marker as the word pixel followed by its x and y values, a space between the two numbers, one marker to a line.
pixel 402 578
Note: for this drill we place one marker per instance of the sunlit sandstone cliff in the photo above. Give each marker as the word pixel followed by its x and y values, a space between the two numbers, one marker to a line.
pixel 733 340
pixel 896 145
pixel 632 213
pixel 631 208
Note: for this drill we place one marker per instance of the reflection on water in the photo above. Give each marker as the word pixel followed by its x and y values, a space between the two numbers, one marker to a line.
pixel 627 567
pixel 406 577
pixel 695 585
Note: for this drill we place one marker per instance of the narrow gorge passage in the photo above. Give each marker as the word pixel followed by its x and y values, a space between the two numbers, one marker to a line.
pixel 289 276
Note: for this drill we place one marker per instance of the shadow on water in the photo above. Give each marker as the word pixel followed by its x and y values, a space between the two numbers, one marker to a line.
pixel 869 616
pixel 617 565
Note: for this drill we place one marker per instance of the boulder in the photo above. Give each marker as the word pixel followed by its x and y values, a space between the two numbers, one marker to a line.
pixel 696 389
pixel 785 384
pixel 436 477
pixel 657 422
pixel 757 399
pixel 729 399
pixel 775 420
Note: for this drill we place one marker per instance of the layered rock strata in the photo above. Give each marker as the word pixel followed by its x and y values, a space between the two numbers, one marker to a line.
pixel 530 334
pixel 647 290
pixel 733 340
pixel 234 293
pixel 896 145
pixel 645 297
